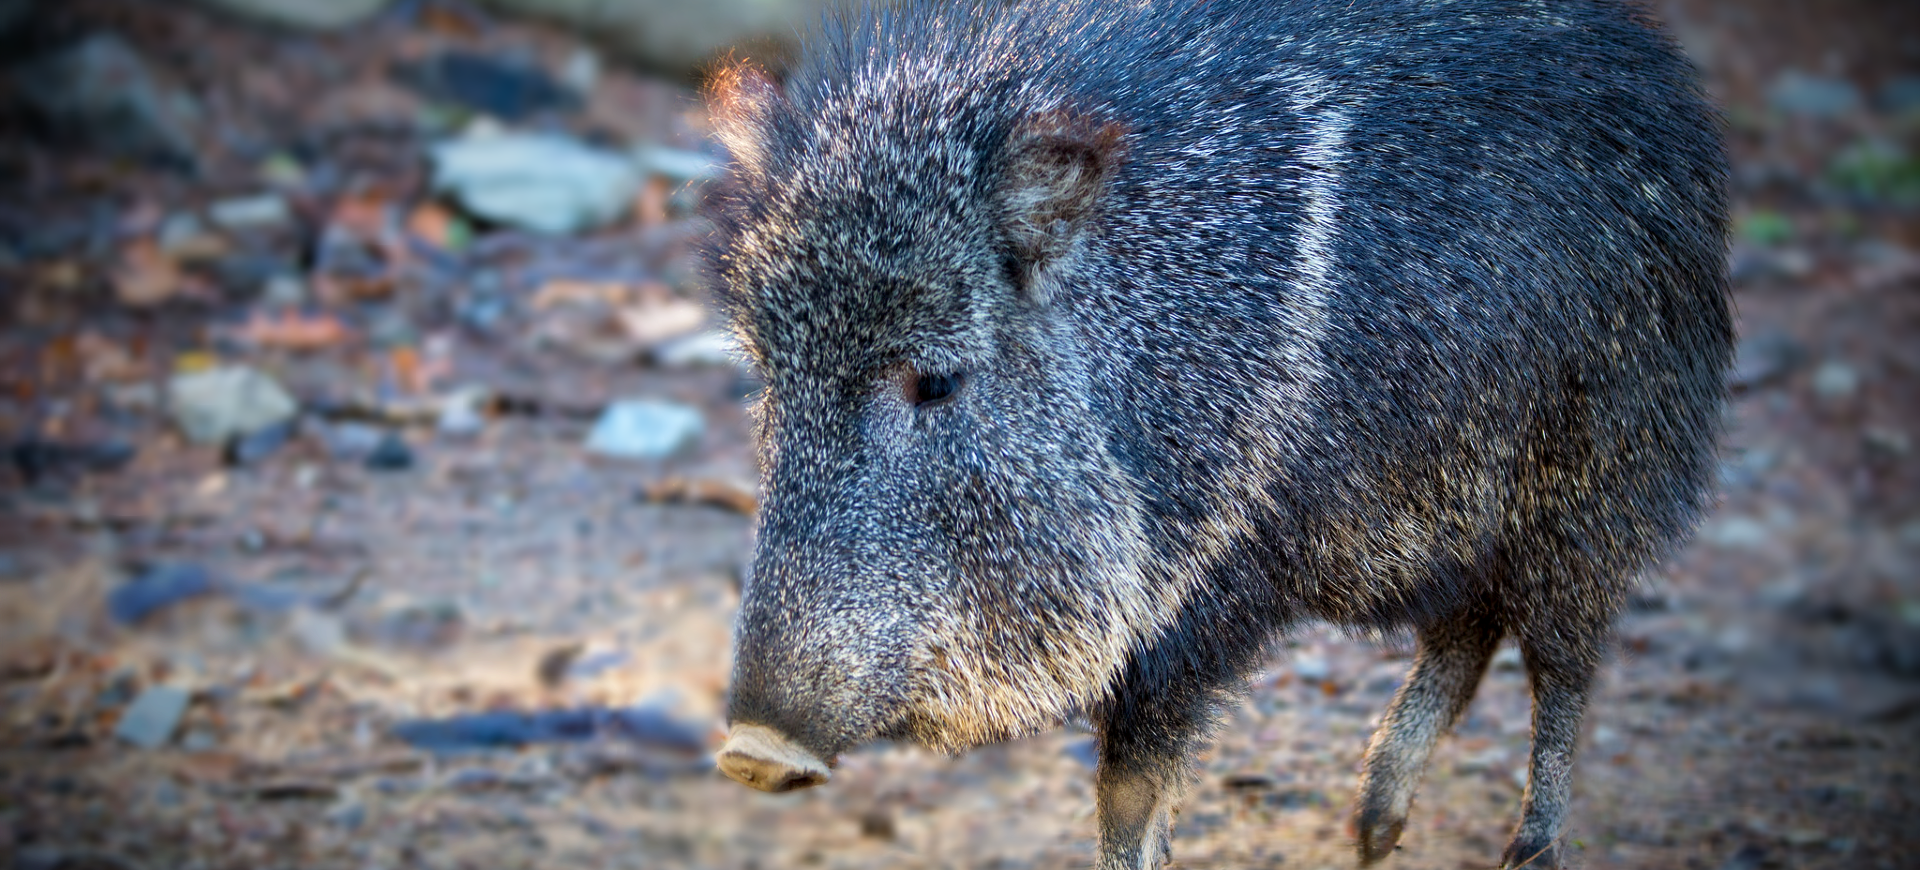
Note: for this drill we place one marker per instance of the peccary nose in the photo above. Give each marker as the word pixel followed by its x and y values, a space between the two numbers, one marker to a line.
pixel 761 757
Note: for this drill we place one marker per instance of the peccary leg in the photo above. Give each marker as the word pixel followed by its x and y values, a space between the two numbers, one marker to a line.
pixel 1150 734
pixel 1136 817
pixel 1561 664
pixel 1453 656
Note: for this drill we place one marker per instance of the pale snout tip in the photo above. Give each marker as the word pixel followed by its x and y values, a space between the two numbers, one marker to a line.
pixel 760 757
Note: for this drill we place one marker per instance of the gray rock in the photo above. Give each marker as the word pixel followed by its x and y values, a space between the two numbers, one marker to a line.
pixel 391 454
pixel 102 94
pixel 1312 669
pixel 1900 96
pixel 347 815
pixel 675 163
pixel 181 232
pixel 283 291
pixel 462 412
pixel 546 183
pixel 508 88
pixel 1836 380
pixel 213 406
pixel 302 14
pixel 1085 750
pixel 265 211
pixel 1797 93
pixel 641 429
pixel 156 589
pixel 345 441
pixel 199 740
pixel 152 718
pixel 710 348
pixel 678 37
pixel 1763 358
pixel 1736 533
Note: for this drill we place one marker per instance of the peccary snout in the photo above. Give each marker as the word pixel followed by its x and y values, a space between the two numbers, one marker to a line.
pixel 765 759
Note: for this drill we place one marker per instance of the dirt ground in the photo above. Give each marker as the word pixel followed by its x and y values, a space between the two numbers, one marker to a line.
pixel 336 608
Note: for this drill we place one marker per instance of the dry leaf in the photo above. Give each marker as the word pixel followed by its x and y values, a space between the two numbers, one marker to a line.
pixel 146 276
pixel 294 331
pixel 434 224
pixel 565 291
pixel 365 214
pixel 732 495
pixel 106 359
pixel 59 275
pixel 671 319
pixel 406 369
pixel 650 205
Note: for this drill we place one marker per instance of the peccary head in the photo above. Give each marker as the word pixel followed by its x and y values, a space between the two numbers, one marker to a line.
pixel 947 550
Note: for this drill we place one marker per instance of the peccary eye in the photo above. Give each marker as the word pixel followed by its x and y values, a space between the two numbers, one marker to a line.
pixel 935 389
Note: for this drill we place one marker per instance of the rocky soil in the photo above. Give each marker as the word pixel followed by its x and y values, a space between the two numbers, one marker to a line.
pixel 353 522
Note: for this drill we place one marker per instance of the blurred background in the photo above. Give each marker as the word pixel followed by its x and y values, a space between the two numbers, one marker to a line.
pixel 376 493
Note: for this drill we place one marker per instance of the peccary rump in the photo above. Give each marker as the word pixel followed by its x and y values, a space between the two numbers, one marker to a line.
pixel 1103 342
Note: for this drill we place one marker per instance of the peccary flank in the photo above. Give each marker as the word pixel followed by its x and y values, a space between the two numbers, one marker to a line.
pixel 1104 341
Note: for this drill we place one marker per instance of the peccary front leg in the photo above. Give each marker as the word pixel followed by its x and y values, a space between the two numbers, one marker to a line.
pixel 1453 657
pixel 1150 734
pixel 1136 816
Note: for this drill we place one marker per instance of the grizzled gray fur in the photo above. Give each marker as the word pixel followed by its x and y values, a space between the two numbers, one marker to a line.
pixel 1102 342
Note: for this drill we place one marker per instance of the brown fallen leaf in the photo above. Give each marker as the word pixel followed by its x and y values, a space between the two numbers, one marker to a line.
pixel 209 768
pixel 146 276
pixel 59 275
pixel 432 223
pixel 572 291
pixel 650 204
pixel 293 330
pixel 109 359
pixel 703 490
pixel 417 372
pixel 657 322
pixel 366 214
pixel 30 659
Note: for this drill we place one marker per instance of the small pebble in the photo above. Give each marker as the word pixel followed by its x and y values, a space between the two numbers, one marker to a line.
pixel 461 413
pixel 348 815
pixel 1798 93
pixel 391 454
pixel 156 589
pixel 250 449
pixel 645 429
pixel 1085 750
pixel 251 212
pixel 150 721
pixel 283 291
pixel 1312 669
pixel 1835 380
pixel 216 405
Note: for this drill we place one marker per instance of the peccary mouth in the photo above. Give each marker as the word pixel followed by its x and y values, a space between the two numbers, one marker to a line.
pixel 760 757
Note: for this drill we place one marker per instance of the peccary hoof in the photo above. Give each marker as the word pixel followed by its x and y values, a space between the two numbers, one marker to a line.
pixel 765 759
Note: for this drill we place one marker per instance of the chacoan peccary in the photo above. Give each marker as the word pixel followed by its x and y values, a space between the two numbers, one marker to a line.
pixel 1103 342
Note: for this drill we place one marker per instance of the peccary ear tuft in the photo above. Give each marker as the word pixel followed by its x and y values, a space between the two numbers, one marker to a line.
pixel 747 107
pixel 1058 168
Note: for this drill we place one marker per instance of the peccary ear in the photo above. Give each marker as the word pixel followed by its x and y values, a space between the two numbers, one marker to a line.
pixel 1058 168
pixel 747 106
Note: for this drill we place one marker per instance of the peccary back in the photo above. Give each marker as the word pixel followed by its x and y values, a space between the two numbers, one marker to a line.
pixel 1103 342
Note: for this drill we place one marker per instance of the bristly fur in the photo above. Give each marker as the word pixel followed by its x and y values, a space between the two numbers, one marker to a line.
pixel 1398 314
